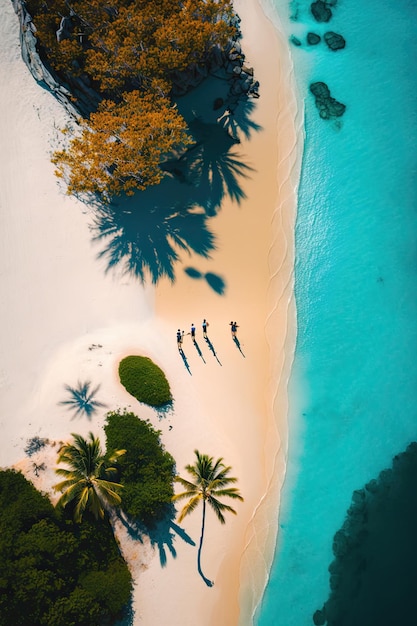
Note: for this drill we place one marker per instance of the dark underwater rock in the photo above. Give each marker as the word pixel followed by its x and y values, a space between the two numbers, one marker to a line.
pixel 334 40
pixel 321 11
pixel 373 574
pixel 319 618
pixel 295 41
pixel 313 39
pixel 328 107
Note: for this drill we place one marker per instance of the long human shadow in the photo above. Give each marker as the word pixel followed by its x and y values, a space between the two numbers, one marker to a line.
pixel 197 347
pixel 211 347
pixel 82 399
pixel 162 535
pixel 185 361
pixel 237 343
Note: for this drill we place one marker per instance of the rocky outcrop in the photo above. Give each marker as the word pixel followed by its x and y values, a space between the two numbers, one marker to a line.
pixel 334 40
pixel 328 107
pixel 295 41
pixel 321 11
pixel 79 98
pixel 313 39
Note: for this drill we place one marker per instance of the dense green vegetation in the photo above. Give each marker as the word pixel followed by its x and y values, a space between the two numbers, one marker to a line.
pixel 54 572
pixel 125 55
pixel 146 470
pixel 90 483
pixel 144 380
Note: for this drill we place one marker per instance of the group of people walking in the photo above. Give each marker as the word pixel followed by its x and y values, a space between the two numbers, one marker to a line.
pixel 204 326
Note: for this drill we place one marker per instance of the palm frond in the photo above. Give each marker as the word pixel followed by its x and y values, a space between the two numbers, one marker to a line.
pixel 189 507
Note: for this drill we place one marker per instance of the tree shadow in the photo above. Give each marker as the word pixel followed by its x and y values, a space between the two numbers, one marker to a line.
pixel 143 235
pixel 210 166
pixel 82 399
pixel 211 347
pixel 215 281
pixel 162 535
pixel 237 119
pixel 237 343
pixel 193 273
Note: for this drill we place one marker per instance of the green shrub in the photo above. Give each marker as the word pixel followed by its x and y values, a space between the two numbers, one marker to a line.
pixel 146 470
pixel 53 571
pixel 144 380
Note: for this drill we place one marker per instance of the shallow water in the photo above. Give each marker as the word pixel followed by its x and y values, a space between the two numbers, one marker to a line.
pixel 353 390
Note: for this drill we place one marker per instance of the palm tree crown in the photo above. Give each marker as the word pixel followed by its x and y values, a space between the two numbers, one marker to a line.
pixel 209 484
pixel 210 480
pixel 90 481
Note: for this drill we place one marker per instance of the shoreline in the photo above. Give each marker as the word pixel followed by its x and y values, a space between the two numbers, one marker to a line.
pixel 68 320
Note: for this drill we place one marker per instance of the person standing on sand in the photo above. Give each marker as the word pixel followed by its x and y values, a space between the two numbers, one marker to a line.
pixel 205 325
pixel 193 332
pixel 179 339
pixel 233 328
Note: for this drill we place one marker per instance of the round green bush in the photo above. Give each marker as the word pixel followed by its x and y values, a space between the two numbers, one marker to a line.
pixel 144 380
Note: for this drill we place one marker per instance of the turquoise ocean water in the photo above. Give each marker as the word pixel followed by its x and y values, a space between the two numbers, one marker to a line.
pixel 353 390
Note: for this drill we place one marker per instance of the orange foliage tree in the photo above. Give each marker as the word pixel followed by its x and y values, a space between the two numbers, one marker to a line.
pixel 121 147
pixel 127 49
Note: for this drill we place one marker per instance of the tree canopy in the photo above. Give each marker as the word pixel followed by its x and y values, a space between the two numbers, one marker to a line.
pixel 126 51
pixel 90 482
pixel 146 470
pixel 54 572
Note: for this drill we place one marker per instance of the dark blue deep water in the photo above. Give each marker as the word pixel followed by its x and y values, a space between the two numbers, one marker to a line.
pixel 353 390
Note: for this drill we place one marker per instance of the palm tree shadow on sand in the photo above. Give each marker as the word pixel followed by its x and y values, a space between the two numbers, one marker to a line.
pixel 143 235
pixel 162 535
pixel 215 281
pixel 82 399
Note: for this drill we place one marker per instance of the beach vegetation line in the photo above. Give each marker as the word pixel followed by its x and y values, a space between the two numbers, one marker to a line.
pixel 53 571
pixel 146 469
pixel 145 381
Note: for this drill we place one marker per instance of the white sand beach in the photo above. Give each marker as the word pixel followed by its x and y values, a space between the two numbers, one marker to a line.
pixel 64 320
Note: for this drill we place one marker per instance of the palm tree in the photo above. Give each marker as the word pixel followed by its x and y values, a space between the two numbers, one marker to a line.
pixel 209 483
pixel 90 481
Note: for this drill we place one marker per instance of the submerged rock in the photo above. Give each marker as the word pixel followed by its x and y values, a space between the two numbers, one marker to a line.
pixel 334 40
pixel 327 106
pixel 295 41
pixel 321 11
pixel 313 39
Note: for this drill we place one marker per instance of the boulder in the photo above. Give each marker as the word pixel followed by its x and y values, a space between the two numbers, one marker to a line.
pixel 334 40
pixel 321 11
pixel 295 41
pixel 313 39
pixel 65 29
pixel 328 107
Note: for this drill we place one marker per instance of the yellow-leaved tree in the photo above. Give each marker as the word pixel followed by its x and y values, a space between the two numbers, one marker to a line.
pixel 121 147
